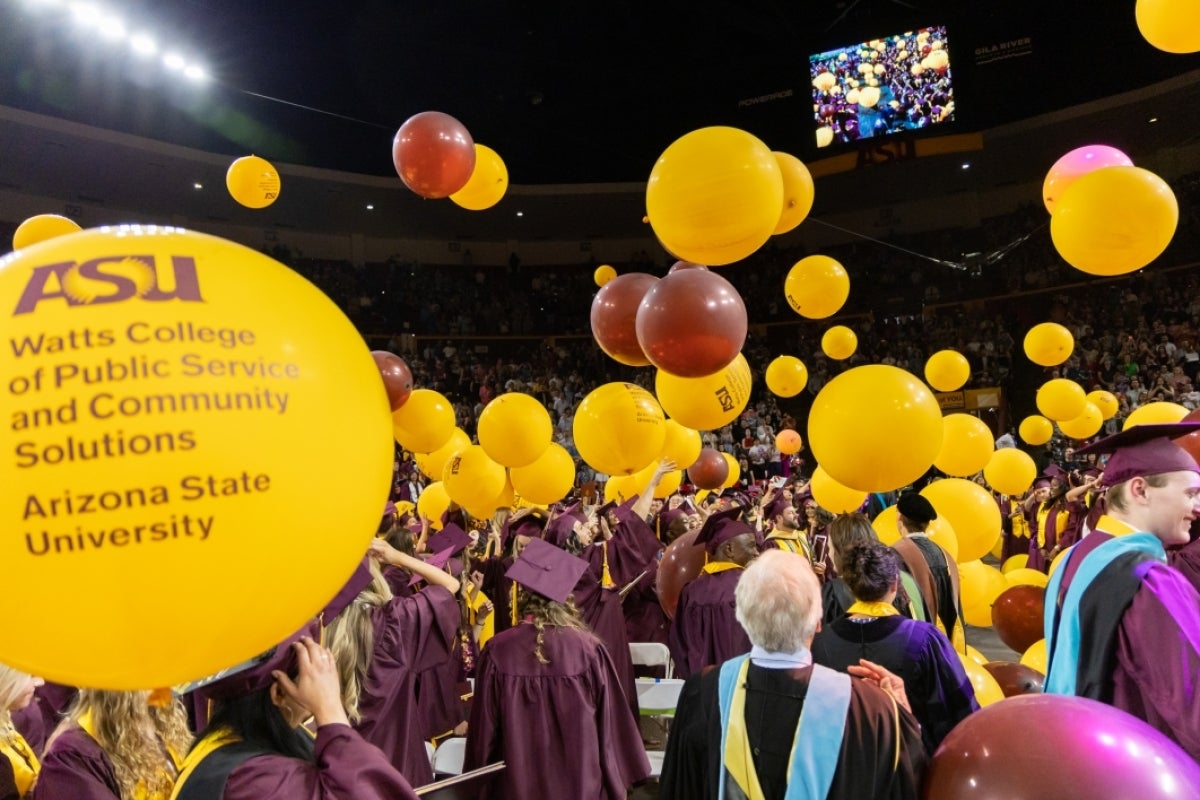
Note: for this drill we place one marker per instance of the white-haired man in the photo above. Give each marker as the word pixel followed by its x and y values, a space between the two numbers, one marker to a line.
pixel 739 732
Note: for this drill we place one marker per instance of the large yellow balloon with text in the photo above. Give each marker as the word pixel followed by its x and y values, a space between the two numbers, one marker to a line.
pixel 196 453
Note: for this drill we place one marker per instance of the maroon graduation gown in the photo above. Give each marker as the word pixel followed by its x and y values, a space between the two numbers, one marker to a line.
pixel 8 781
pixel 499 590
pixel 38 720
pixel 439 698
pixel 866 762
pixel 1156 671
pixel 644 617
pixel 346 767
pixel 563 728
pixel 76 767
pixel 412 634
pixel 705 630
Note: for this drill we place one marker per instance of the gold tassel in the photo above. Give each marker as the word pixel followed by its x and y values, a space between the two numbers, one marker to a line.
pixel 160 698
pixel 606 581
pixel 512 604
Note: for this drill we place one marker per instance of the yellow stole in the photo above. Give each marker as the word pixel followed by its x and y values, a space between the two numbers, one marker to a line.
pixel 141 792
pixel 475 601
pixel 1114 527
pixel 793 544
pixel 873 609
pixel 713 567
pixel 211 742
pixel 24 761
pixel 1020 525
pixel 1043 513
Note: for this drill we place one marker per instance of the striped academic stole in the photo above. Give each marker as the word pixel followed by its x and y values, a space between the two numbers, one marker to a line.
pixel 797 544
pixel 815 749
pixel 1062 625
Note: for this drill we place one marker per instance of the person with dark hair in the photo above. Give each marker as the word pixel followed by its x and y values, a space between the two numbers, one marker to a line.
pixel 254 747
pixel 1058 518
pixel 936 573
pixel 548 701
pixel 846 532
pixel 939 691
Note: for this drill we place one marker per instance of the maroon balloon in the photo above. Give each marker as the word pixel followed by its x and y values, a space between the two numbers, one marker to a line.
pixel 692 323
pixel 710 471
pixel 1015 679
pixel 614 312
pixel 678 265
pixel 681 562
pixel 397 377
pixel 1061 747
pixel 1018 616
pixel 1191 442
pixel 434 154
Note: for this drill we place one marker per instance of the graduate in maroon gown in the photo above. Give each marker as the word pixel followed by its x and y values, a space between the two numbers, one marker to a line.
pixel 705 630
pixel 548 701
pixel 254 748
pixel 772 720
pixel 381 644
pixel 503 547
pixel 939 691
pixel 19 763
pixel 1122 627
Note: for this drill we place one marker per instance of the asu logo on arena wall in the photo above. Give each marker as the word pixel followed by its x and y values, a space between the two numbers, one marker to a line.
pixel 111 279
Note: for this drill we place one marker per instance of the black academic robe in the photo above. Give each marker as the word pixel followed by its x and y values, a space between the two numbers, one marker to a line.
pixel 867 765
pixel 938 689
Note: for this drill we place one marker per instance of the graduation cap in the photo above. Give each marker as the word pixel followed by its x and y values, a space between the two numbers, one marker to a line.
pixel 359 580
pixel 451 537
pixel 255 674
pixel 559 528
pixel 1055 472
pixel 547 570
pixel 720 527
pixel 529 523
pixel 777 506
pixel 916 507
pixel 437 561
pixel 1144 450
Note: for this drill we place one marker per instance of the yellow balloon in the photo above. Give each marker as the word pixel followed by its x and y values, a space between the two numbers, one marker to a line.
pixel 1155 413
pixel 1036 429
pixel 472 478
pixel 432 465
pixel 488 181
pixel 798 191
pixel 947 370
pixel 735 470
pixel 715 196
pixel 1059 399
pixel 1035 657
pixel 506 499
pixel 834 497
pixel 998 548
pixel 669 484
pixel 681 444
pixel 620 488
pixel 1114 221
pixel 824 136
pixel 987 689
pixel 1027 577
pixel 1010 471
pixel 514 429
pixel 1084 425
pixel 1014 563
pixel 816 287
pixel 1049 344
pixel 839 343
pixel 425 422
pixel 939 531
pixel 967 445
pixel 981 585
pixel 868 96
pixel 162 419
pixel 1074 165
pixel 253 182
pixel 970 510
pixel 548 478
pixel 603 274
pixel 1170 25
pixel 1105 401
pixel 875 428
pixel 786 376
pixel 619 428
pixel 432 503
pixel 708 403
pixel 42 227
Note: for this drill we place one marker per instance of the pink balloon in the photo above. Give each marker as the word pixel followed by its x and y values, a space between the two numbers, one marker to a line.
pixel 1076 164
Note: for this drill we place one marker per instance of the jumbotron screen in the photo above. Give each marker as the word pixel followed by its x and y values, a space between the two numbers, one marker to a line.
pixel 882 87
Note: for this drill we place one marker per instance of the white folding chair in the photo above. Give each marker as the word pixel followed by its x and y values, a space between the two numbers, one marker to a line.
pixel 429 750
pixel 449 756
pixel 657 697
pixel 652 654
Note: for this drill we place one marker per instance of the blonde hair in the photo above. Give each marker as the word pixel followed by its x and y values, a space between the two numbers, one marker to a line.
pixel 546 612
pixel 351 638
pixel 12 683
pixel 121 722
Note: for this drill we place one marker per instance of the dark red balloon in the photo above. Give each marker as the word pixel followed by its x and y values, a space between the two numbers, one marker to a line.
pixel 681 562
pixel 1015 679
pixel 1058 746
pixel 614 313
pixel 397 377
pixel 1191 442
pixel 692 323
pixel 434 154
pixel 1018 616
pixel 678 265
pixel 710 471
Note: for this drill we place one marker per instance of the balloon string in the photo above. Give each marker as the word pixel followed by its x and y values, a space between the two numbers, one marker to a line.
pixel 990 258
pixel 317 110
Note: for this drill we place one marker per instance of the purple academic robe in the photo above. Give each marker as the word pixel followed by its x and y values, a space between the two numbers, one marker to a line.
pixel 346 766
pixel 1157 649
pixel 412 634
pixel 705 630
pixel 76 767
pixel 563 728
